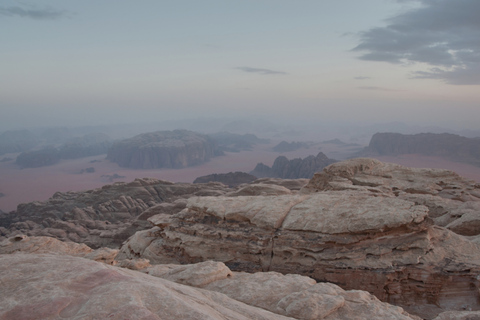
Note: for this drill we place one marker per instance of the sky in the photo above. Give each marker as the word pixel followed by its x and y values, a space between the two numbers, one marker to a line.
pixel 96 62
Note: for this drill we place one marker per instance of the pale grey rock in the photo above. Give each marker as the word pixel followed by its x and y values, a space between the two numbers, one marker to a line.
pixel 45 286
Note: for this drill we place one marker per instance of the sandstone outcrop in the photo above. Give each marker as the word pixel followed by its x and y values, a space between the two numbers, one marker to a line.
pixel 106 216
pixel 293 169
pixel 231 179
pixel 290 295
pixel 163 149
pixel 57 285
pixel 447 145
pixel 45 286
pixel 360 224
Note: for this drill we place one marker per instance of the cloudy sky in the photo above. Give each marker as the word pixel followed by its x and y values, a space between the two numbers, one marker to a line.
pixel 98 62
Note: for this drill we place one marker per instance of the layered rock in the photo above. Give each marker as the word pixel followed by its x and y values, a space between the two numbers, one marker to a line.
pixel 447 145
pixel 231 179
pixel 361 224
pixel 163 149
pixel 106 216
pixel 293 169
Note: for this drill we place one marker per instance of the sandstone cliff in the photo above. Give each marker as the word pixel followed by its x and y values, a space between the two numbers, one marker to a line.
pixel 163 149
pixel 447 145
pixel 293 169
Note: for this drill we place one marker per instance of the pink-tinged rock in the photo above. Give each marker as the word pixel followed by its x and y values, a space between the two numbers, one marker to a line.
pixel 45 286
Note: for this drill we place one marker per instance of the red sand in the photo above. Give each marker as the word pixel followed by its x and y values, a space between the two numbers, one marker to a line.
pixel 31 184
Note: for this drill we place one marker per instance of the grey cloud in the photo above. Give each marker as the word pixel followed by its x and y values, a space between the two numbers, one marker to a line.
pixel 443 34
pixel 260 70
pixel 32 13
pixel 361 78
pixel 376 88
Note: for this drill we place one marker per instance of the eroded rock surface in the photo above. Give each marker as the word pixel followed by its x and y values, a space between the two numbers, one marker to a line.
pixel 361 224
pixel 45 286
pixel 101 217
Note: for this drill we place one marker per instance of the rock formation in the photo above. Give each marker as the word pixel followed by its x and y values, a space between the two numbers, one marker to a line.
pixel 293 169
pixel 451 146
pixel 105 216
pixel 51 278
pixel 231 179
pixel 360 224
pixel 163 149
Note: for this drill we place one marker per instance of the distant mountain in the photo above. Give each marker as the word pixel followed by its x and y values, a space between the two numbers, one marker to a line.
pixel 232 142
pixel 293 169
pixel 17 141
pixel 89 145
pixel 285 146
pixel 451 146
pixel 163 149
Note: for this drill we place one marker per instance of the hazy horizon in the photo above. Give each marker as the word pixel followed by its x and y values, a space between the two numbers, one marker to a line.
pixel 102 63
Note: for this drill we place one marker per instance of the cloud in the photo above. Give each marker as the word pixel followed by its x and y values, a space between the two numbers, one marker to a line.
pixel 260 70
pixel 361 78
pixel 442 34
pixel 46 13
pixel 376 88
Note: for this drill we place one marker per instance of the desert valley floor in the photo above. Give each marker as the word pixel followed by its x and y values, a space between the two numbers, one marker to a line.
pixel 38 184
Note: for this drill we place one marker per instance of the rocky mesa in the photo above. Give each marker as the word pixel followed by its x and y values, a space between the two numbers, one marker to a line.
pixel 163 149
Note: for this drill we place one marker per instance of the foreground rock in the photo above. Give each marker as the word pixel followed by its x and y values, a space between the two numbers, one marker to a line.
pixel 43 286
pixel 294 296
pixel 360 224
pixel 290 295
pixel 163 149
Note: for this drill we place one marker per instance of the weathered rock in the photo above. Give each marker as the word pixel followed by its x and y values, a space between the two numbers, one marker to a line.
pixel 260 190
pixel 448 196
pixel 231 179
pixel 25 244
pixel 358 239
pixel 43 286
pixel 163 149
pixel 292 184
pixel 290 295
pixel 103 217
